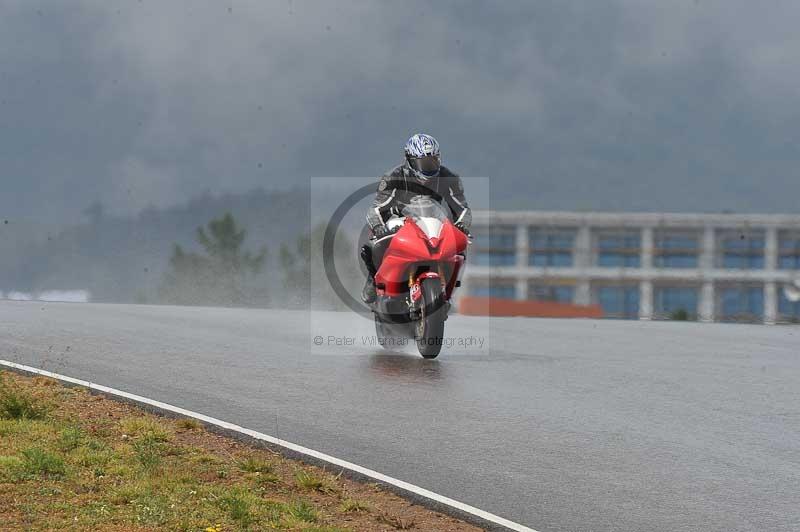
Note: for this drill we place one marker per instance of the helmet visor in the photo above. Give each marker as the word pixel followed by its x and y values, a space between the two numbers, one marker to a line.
pixel 428 165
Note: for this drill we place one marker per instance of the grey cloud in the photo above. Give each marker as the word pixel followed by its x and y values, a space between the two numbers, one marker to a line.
pixel 592 105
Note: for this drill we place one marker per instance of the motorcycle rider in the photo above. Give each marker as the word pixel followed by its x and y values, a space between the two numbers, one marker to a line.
pixel 422 173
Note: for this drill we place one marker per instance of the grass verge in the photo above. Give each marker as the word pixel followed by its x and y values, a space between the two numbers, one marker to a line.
pixel 72 460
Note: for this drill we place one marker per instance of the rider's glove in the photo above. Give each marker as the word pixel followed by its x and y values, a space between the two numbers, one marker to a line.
pixel 463 228
pixel 380 232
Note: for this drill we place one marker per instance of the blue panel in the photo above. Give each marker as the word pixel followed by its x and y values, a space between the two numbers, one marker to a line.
pixel 494 247
pixel 755 301
pixel 557 293
pixel 556 258
pixel 561 259
pixel 619 301
pixel 743 244
pixel 494 240
pixel 564 294
pixel 618 260
pixel 742 302
pixel 669 299
pixel 500 258
pixel 678 260
pixel 789 262
pixel 538 260
pixel 551 248
pixel 500 290
pixel 743 262
pixel 676 251
pixel 615 242
pixel 788 309
pixel 682 242
pixel 743 253
pixel 614 251
pixel 790 250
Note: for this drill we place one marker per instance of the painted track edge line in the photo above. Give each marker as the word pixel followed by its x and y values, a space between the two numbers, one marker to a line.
pixel 463 508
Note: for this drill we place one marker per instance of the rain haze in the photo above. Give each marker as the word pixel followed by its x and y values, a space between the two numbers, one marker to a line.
pixel 158 116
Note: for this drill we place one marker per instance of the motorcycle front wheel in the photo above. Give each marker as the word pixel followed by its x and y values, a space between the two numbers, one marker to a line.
pixel 429 330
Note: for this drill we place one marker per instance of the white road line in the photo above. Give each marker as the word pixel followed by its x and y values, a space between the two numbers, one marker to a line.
pixel 422 492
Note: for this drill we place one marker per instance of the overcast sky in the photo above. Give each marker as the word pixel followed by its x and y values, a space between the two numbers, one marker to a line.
pixel 608 105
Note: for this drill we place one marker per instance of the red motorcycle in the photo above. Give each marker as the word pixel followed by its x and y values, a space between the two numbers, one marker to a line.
pixel 421 268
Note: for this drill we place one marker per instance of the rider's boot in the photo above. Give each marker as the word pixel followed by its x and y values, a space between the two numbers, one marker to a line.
pixel 368 293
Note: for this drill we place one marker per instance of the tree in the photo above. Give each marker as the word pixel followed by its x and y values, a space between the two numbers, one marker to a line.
pixel 217 277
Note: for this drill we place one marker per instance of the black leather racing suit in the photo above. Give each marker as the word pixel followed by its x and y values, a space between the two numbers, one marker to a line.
pixel 395 190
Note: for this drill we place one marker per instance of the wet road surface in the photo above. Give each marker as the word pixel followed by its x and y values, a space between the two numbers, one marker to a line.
pixel 557 424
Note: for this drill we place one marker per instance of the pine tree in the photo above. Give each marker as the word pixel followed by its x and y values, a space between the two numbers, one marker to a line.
pixel 218 276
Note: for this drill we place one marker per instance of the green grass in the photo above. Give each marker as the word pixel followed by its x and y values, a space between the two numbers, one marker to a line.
pixel 188 423
pixel 11 468
pixel 238 509
pixel 142 426
pixel 82 467
pixel 40 463
pixel 311 482
pixel 302 511
pixel 89 457
pixel 254 464
pixel 204 458
pixel 15 404
pixel 149 451
pixel 70 438
pixel 396 522
pixel 152 509
pixel 354 506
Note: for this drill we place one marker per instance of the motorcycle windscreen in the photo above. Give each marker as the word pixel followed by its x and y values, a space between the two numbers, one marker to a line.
pixel 432 227
pixel 427 214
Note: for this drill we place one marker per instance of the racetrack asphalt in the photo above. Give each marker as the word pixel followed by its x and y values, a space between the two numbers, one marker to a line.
pixel 573 425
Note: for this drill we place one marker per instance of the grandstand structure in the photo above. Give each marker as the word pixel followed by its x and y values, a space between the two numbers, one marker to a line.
pixel 707 267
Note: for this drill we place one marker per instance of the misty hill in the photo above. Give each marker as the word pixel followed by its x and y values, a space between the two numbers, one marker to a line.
pixel 123 259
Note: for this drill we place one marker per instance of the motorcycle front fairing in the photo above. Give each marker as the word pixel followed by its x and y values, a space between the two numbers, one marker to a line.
pixel 427 241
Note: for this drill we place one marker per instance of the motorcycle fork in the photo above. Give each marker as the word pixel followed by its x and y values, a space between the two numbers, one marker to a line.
pixel 414 296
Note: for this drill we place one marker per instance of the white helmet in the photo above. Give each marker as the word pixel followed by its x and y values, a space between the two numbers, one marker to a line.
pixel 422 154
